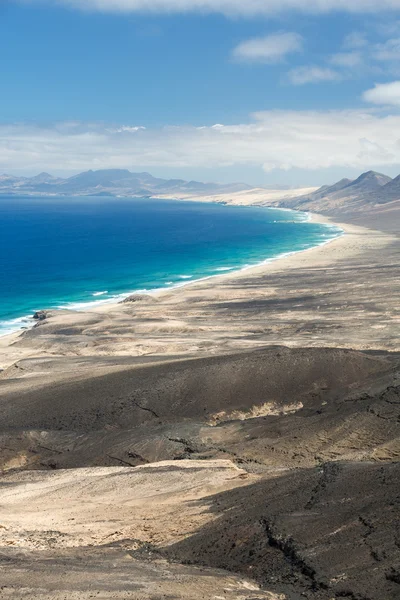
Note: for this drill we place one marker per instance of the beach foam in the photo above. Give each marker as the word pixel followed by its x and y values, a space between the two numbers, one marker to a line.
pixel 13 325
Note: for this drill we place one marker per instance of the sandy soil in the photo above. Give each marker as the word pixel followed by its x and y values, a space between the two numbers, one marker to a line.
pixel 258 196
pixel 85 512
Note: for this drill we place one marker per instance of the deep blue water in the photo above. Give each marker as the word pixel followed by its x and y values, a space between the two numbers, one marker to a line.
pixel 66 251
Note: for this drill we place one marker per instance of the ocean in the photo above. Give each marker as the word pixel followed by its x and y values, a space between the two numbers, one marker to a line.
pixel 75 252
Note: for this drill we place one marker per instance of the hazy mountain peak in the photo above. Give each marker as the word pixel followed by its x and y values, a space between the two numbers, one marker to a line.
pixel 325 190
pixel 372 178
pixel 102 173
pixel 341 184
pixel 6 177
pixel 43 177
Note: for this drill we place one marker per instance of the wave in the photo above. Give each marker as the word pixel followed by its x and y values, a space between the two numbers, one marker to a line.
pixel 100 293
pixel 13 325
pixel 225 269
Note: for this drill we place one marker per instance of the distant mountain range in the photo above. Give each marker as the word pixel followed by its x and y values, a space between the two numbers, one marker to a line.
pixel 365 192
pixel 111 182
pixel 368 192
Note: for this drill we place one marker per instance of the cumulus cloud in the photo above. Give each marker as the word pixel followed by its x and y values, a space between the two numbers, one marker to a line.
pixel 269 49
pixel 384 93
pixel 312 74
pixel 228 7
pixel 270 140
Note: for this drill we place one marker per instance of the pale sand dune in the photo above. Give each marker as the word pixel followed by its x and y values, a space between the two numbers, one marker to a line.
pixel 258 196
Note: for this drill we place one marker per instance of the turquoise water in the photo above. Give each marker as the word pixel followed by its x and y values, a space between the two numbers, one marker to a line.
pixel 73 252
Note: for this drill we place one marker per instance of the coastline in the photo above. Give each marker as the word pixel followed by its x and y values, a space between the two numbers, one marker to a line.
pixel 201 316
pixel 26 322
pixel 311 256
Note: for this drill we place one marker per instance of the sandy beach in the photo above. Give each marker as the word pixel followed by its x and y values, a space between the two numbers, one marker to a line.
pixel 331 295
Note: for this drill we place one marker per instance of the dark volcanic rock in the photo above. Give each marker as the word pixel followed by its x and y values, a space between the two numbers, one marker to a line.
pixel 251 408
pixel 320 426
pixel 138 298
pixel 42 315
pixel 202 390
pixel 324 533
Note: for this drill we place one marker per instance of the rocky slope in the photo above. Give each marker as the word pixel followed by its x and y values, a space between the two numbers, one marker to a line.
pixel 369 192
pixel 278 466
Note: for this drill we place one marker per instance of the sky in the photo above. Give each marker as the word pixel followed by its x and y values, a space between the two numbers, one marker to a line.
pixel 288 92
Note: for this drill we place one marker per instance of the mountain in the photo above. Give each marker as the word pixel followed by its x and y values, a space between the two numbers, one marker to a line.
pixel 10 179
pixel 369 181
pixel 326 190
pixel 111 182
pixel 391 191
pixel 367 190
pixel 44 178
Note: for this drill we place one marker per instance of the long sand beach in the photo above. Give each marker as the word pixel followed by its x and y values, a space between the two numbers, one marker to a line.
pixel 329 295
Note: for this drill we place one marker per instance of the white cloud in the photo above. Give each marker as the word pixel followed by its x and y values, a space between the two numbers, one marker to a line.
pixel 229 7
pixel 270 140
pixel 389 28
pixel 384 94
pixel 355 40
pixel 312 74
pixel 373 151
pixel 269 49
pixel 346 59
pixel 128 128
pixel 389 51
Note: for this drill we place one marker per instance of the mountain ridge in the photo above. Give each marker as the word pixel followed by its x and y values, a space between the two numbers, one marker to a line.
pixel 364 193
pixel 370 191
pixel 110 182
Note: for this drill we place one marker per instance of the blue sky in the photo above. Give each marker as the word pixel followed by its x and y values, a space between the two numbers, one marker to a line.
pixel 259 90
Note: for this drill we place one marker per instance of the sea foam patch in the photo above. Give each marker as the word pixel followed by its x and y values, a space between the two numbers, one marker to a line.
pixel 13 325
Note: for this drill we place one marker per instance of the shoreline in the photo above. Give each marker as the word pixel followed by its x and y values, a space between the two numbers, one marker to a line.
pixel 322 296
pixel 94 305
pixel 258 268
